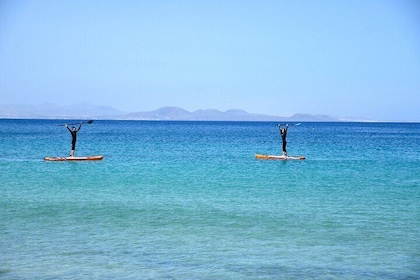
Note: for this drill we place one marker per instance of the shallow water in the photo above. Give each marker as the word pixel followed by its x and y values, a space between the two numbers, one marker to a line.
pixel 188 200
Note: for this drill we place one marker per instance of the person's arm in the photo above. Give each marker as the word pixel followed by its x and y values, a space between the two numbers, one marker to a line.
pixel 68 128
pixel 80 126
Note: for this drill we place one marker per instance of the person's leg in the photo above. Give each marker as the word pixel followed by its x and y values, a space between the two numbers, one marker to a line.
pixel 73 147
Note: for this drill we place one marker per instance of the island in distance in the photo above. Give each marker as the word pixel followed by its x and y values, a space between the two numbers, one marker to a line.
pixel 176 113
pixel 89 111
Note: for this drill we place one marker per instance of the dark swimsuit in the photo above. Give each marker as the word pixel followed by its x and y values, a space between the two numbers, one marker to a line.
pixel 283 137
pixel 73 137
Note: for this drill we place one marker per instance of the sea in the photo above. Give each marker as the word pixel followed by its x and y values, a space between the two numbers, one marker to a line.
pixel 189 200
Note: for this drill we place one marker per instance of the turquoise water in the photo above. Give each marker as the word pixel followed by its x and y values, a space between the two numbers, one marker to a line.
pixel 188 200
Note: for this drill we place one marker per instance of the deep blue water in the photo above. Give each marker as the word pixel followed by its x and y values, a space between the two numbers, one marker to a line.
pixel 188 200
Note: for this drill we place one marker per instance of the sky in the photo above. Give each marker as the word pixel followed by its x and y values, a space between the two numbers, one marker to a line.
pixel 339 58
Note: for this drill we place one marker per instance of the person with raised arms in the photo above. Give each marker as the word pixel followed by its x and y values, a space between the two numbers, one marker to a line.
pixel 73 132
pixel 283 133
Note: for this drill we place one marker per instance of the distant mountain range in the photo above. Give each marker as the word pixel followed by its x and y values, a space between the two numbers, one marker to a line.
pixel 176 113
pixel 54 111
pixel 89 111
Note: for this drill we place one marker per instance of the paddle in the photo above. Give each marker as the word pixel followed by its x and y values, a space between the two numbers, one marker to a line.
pixel 88 122
pixel 295 124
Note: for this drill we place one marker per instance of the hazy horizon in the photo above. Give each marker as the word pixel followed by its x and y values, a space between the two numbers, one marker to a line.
pixel 53 110
pixel 346 58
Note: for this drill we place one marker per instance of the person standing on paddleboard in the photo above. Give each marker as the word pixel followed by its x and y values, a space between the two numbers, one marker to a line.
pixel 73 132
pixel 283 133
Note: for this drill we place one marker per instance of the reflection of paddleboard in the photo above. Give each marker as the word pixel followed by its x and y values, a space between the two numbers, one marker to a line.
pixel 73 158
pixel 259 156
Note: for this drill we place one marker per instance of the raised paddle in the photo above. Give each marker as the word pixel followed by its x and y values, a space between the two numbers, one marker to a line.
pixel 295 124
pixel 88 122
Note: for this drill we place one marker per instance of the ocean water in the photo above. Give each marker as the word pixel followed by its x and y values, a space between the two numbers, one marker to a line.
pixel 188 200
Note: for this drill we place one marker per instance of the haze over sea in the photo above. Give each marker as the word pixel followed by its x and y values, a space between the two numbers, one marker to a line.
pixel 188 200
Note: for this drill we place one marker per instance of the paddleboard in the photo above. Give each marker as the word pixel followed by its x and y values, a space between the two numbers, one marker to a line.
pixel 73 158
pixel 260 156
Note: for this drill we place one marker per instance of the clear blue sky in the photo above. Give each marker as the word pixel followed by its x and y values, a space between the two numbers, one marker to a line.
pixel 341 58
